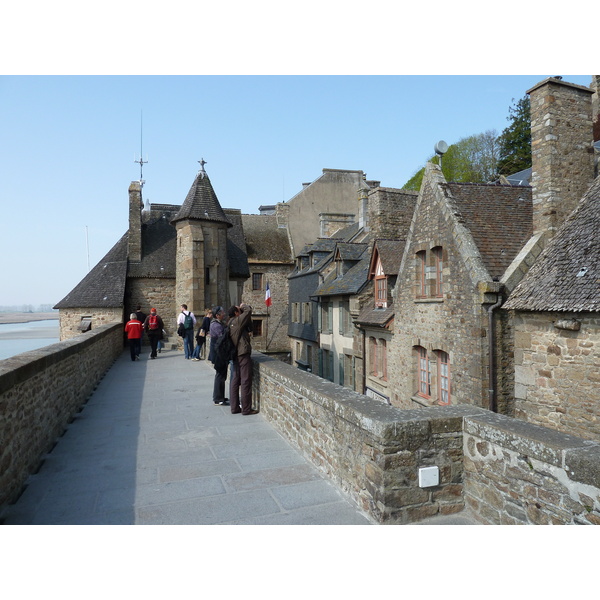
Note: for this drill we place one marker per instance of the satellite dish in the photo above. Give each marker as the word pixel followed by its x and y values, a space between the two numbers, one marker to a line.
pixel 441 147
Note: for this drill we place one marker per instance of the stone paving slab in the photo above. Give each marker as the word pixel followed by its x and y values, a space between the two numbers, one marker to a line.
pixel 149 447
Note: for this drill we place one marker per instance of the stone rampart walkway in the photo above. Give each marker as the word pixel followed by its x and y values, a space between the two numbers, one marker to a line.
pixel 149 447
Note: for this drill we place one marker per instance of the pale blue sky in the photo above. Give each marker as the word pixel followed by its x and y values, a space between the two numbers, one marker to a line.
pixel 268 94
pixel 69 144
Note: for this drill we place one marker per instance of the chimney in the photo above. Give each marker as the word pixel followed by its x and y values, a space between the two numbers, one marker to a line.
pixel 561 150
pixel 135 222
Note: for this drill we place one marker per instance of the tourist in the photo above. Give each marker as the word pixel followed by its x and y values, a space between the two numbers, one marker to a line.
pixel 186 321
pixel 153 326
pixel 134 330
pixel 200 349
pixel 141 317
pixel 217 327
pixel 241 380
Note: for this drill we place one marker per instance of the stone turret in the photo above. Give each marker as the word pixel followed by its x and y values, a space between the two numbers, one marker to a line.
pixel 561 148
pixel 202 266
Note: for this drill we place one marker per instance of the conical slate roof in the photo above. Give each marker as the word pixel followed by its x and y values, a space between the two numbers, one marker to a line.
pixel 202 203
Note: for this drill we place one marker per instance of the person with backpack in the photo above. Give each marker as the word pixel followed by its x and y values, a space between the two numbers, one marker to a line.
pixel 186 321
pixel 219 336
pixel 153 326
pixel 241 380
pixel 134 331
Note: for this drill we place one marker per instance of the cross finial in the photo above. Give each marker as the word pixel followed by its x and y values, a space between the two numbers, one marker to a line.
pixel 202 163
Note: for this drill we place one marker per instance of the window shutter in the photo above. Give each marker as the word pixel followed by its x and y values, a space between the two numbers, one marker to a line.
pixel 320 355
pixel 341 365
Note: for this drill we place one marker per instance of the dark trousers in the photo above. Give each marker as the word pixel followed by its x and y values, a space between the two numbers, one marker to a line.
pixel 219 386
pixel 135 347
pixel 241 384
pixel 153 337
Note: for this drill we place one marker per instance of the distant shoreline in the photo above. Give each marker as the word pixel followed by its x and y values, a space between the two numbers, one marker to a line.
pixel 26 317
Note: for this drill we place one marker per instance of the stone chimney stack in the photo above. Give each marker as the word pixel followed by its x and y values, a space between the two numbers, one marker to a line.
pixel 135 222
pixel 562 151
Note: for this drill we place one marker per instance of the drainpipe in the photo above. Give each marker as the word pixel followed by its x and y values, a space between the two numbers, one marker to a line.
pixel 492 357
pixel 364 361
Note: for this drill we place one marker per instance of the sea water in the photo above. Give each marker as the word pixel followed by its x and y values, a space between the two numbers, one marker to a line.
pixel 22 337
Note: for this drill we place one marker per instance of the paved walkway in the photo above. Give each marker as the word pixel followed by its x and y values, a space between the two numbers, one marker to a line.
pixel 150 447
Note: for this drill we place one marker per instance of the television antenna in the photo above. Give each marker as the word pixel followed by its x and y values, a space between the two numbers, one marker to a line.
pixel 141 162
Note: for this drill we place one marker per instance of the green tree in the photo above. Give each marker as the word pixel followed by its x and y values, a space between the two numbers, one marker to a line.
pixel 515 140
pixel 472 159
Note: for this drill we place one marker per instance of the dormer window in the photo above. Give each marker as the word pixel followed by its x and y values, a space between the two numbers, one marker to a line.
pixel 381 292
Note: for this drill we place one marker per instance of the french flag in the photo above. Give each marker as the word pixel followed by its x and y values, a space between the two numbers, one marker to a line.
pixel 268 300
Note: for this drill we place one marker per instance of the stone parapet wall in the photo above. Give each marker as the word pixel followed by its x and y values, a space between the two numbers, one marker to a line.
pixel 518 473
pixel 372 451
pixel 40 392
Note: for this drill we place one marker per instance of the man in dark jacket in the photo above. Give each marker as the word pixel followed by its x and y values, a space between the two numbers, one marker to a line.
pixel 241 401
pixel 153 326
pixel 217 327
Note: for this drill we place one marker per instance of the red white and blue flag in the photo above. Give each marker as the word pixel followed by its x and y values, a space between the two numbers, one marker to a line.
pixel 268 300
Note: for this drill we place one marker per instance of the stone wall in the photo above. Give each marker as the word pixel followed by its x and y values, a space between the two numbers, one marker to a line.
pixel 156 293
pixel 370 450
pixel 504 470
pixel 70 319
pixel 274 336
pixel 518 473
pixel 557 371
pixel 40 391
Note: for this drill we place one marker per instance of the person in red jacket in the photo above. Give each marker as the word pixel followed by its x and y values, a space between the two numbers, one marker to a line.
pixel 134 330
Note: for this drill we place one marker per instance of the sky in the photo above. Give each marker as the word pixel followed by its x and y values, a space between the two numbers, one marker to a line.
pixel 69 146
pixel 267 107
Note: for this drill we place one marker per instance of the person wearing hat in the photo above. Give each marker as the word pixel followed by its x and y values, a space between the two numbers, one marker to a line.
pixel 153 326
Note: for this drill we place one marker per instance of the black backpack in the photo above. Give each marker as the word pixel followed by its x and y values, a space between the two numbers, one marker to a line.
pixel 224 351
pixel 188 323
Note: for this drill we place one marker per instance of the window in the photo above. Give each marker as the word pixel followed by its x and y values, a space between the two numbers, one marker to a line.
pixel 295 312
pixel 424 375
pixel 348 371
pixel 421 282
pixel 433 375
pixel 439 266
pixel 326 314
pixel 374 370
pixel 85 324
pixel 257 327
pixel 429 267
pixel 443 377
pixel 307 312
pixel 383 358
pixel 345 318
pixel 380 287
pixel 327 364
pixel 257 281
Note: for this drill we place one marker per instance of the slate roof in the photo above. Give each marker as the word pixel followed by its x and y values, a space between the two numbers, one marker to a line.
pixel 499 217
pixel 350 283
pixel 349 251
pixel 159 244
pixel 376 317
pixel 390 252
pixel 566 276
pixel 104 285
pixel 202 203
pixel 265 240
pixel 236 245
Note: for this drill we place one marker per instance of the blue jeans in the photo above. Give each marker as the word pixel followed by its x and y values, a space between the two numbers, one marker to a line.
pixel 188 343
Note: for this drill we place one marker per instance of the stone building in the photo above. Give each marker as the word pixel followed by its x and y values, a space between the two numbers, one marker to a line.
pixel 270 262
pixel 190 254
pixel 461 242
pixel 376 319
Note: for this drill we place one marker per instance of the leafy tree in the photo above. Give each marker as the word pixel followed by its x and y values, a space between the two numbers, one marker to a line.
pixel 515 140
pixel 472 159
